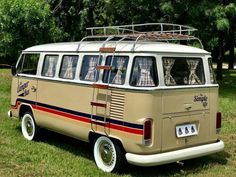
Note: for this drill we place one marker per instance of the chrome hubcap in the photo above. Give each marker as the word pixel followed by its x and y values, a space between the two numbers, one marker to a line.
pixel 107 153
pixel 29 127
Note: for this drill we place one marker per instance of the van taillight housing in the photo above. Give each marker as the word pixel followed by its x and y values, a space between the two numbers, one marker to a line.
pixel 147 133
pixel 218 121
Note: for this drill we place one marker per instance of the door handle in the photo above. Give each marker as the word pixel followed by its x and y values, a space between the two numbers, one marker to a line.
pixel 33 88
pixel 188 106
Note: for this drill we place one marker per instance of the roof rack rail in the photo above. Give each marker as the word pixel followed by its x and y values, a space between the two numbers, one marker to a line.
pixel 159 28
pixel 145 32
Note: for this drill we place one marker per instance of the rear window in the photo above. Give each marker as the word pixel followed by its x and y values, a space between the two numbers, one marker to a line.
pixel 144 72
pixel 183 71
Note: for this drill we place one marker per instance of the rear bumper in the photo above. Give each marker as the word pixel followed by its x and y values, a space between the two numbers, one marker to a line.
pixel 174 156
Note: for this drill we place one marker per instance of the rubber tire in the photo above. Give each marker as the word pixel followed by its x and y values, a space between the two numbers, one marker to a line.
pixel 28 119
pixel 117 155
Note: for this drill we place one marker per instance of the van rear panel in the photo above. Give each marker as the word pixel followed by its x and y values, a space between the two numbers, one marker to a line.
pixel 185 118
pixel 182 118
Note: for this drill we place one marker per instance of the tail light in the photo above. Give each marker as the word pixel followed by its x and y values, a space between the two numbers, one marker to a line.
pixel 218 121
pixel 147 134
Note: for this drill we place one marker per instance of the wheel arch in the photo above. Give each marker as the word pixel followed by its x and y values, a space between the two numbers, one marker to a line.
pixel 93 136
pixel 25 108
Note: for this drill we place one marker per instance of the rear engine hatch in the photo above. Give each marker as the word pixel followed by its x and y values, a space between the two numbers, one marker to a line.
pixel 186 118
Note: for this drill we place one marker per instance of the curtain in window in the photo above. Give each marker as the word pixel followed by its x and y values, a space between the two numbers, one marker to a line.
pixel 51 66
pixel 193 78
pixel 145 78
pixel 120 64
pixel 168 63
pixel 91 74
pixel 69 70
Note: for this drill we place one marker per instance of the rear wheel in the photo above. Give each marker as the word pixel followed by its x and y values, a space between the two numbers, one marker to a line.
pixel 28 126
pixel 107 154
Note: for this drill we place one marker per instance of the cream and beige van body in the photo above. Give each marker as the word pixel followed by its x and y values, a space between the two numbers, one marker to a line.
pixel 88 109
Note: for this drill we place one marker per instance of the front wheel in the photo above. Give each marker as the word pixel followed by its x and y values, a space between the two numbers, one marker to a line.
pixel 28 126
pixel 108 155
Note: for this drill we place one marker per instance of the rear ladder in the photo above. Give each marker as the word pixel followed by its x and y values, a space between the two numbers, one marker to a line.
pixel 98 86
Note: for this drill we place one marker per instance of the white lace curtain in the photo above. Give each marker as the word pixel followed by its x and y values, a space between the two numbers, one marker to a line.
pixel 91 74
pixel 168 63
pixel 145 78
pixel 120 64
pixel 193 78
pixel 51 66
pixel 69 69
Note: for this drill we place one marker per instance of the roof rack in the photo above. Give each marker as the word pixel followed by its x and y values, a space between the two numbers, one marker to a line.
pixel 144 32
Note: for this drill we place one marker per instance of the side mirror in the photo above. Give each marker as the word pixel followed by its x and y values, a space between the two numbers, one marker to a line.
pixel 13 70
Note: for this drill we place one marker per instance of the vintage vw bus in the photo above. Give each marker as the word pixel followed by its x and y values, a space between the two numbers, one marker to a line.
pixel 136 96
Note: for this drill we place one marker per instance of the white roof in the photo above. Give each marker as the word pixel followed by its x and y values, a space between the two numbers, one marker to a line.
pixel 125 46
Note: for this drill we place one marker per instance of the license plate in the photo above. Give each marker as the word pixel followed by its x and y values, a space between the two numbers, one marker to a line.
pixel 186 130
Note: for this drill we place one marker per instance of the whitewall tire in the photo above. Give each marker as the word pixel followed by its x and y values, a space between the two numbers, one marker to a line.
pixel 28 126
pixel 107 154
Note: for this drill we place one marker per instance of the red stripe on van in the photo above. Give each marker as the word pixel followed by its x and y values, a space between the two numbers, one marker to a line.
pixel 82 119
pixel 125 129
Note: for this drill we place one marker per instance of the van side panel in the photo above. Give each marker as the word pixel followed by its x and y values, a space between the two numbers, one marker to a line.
pixel 24 92
pixel 64 107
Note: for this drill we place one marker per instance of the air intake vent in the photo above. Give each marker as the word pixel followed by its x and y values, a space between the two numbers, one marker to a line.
pixel 117 104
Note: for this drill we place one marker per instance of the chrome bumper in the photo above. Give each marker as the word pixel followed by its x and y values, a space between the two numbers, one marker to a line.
pixel 174 156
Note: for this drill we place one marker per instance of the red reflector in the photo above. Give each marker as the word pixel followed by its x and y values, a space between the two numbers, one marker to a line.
pixel 106 67
pixel 218 120
pixel 147 130
pixel 107 49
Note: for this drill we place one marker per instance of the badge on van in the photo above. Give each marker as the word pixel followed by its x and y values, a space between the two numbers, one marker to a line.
pixel 202 99
pixel 23 87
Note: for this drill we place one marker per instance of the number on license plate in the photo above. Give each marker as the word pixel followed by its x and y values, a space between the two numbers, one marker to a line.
pixel 186 130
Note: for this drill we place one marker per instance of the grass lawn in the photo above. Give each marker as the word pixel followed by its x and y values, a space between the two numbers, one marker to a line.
pixel 57 155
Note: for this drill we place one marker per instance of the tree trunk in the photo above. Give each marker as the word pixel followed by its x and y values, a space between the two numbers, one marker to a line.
pixel 220 56
pixel 231 47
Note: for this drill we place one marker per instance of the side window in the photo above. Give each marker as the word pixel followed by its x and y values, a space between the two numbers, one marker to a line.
pixel 28 64
pixel 88 70
pixel 49 65
pixel 212 74
pixel 68 67
pixel 144 72
pixel 183 71
pixel 118 72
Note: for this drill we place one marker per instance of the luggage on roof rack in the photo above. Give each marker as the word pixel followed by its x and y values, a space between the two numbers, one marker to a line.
pixel 166 32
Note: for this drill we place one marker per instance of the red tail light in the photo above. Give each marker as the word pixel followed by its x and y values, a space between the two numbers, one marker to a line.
pixel 218 120
pixel 147 132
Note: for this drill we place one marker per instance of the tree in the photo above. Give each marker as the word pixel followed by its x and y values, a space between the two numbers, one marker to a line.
pixel 223 15
pixel 68 17
pixel 24 23
pixel 231 15
pixel 214 19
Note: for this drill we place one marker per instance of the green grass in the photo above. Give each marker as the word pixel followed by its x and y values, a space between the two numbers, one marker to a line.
pixel 57 155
